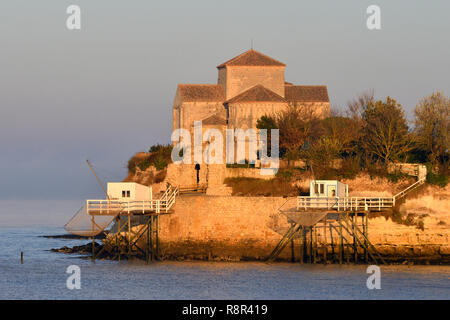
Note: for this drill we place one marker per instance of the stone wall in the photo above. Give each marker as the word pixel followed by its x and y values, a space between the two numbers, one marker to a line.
pixel 236 228
pixel 222 226
pixel 248 228
pixel 186 113
pixel 411 169
pixel 242 78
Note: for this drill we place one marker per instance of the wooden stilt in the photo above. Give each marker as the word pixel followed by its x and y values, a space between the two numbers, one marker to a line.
pixel 366 226
pixel 314 244
pixel 117 239
pixel 292 251
pixel 148 241
pixel 333 257
pixel 310 245
pixel 325 248
pixel 341 244
pixel 302 245
pixel 157 237
pixel 129 237
pixel 355 246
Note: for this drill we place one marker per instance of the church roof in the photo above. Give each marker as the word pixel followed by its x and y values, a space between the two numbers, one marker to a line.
pixel 306 93
pixel 257 93
pixel 251 58
pixel 215 119
pixel 201 92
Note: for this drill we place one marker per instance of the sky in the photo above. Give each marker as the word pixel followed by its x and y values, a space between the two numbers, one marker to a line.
pixel 106 91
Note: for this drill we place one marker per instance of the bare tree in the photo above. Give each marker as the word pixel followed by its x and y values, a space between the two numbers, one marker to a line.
pixel 298 124
pixel 385 130
pixel 357 106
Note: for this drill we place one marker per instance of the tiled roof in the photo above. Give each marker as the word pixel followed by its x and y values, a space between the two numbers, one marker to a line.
pixel 201 92
pixel 257 93
pixel 252 58
pixel 215 119
pixel 306 93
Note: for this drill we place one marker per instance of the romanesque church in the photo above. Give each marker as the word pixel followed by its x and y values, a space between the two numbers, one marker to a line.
pixel 249 86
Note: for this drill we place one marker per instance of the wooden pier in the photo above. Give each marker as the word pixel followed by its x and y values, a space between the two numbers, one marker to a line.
pixel 334 229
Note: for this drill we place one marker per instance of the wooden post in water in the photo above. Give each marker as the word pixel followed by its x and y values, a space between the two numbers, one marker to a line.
pixel 21 257
pixel 93 249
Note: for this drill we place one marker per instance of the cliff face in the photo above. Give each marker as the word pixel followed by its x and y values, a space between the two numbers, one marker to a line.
pixel 236 228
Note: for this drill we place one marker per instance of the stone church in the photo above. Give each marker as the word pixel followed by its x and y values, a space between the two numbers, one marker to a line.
pixel 249 86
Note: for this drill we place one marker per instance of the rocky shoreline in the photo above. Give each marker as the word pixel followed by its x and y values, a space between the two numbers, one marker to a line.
pixel 434 259
pixel 100 236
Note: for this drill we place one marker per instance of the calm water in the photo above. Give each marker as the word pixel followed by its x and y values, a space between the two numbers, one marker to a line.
pixel 43 276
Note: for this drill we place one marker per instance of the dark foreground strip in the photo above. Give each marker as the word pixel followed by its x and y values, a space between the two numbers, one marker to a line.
pixel 220 309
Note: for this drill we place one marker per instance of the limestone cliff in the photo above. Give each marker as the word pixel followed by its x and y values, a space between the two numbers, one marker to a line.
pixel 225 227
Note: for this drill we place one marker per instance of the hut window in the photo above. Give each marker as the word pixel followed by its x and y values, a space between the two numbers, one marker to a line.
pixel 125 194
pixel 319 188
pixel 128 193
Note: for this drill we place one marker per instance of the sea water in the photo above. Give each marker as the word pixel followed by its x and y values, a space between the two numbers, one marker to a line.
pixel 43 276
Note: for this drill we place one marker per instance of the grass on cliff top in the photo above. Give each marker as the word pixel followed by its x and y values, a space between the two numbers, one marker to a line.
pixel 158 156
pixel 276 187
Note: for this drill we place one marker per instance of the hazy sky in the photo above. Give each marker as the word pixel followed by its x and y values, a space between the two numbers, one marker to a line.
pixel 106 91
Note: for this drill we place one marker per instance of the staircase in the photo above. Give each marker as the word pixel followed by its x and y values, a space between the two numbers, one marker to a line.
pixel 412 187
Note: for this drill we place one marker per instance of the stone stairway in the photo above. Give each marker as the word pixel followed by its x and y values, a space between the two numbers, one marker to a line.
pixel 216 173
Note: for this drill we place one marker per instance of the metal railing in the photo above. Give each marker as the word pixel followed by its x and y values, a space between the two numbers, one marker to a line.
pixel 114 207
pixel 345 203
pixel 411 187
pixel 195 188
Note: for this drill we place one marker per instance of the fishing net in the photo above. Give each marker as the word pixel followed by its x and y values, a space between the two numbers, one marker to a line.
pixel 83 224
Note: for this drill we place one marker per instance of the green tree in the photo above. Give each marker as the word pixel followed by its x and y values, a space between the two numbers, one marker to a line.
pixel 268 123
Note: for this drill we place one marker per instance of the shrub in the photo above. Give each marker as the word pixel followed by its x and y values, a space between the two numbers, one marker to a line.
pixel 285 174
pixel 260 187
pixel 159 156
pixel 143 165
pixel 437 179
pixel 396 176
pixel 159 162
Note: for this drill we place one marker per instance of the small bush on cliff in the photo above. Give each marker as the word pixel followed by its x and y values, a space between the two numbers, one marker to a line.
pixel 437 179
pixel 160 163
pixel 159 156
